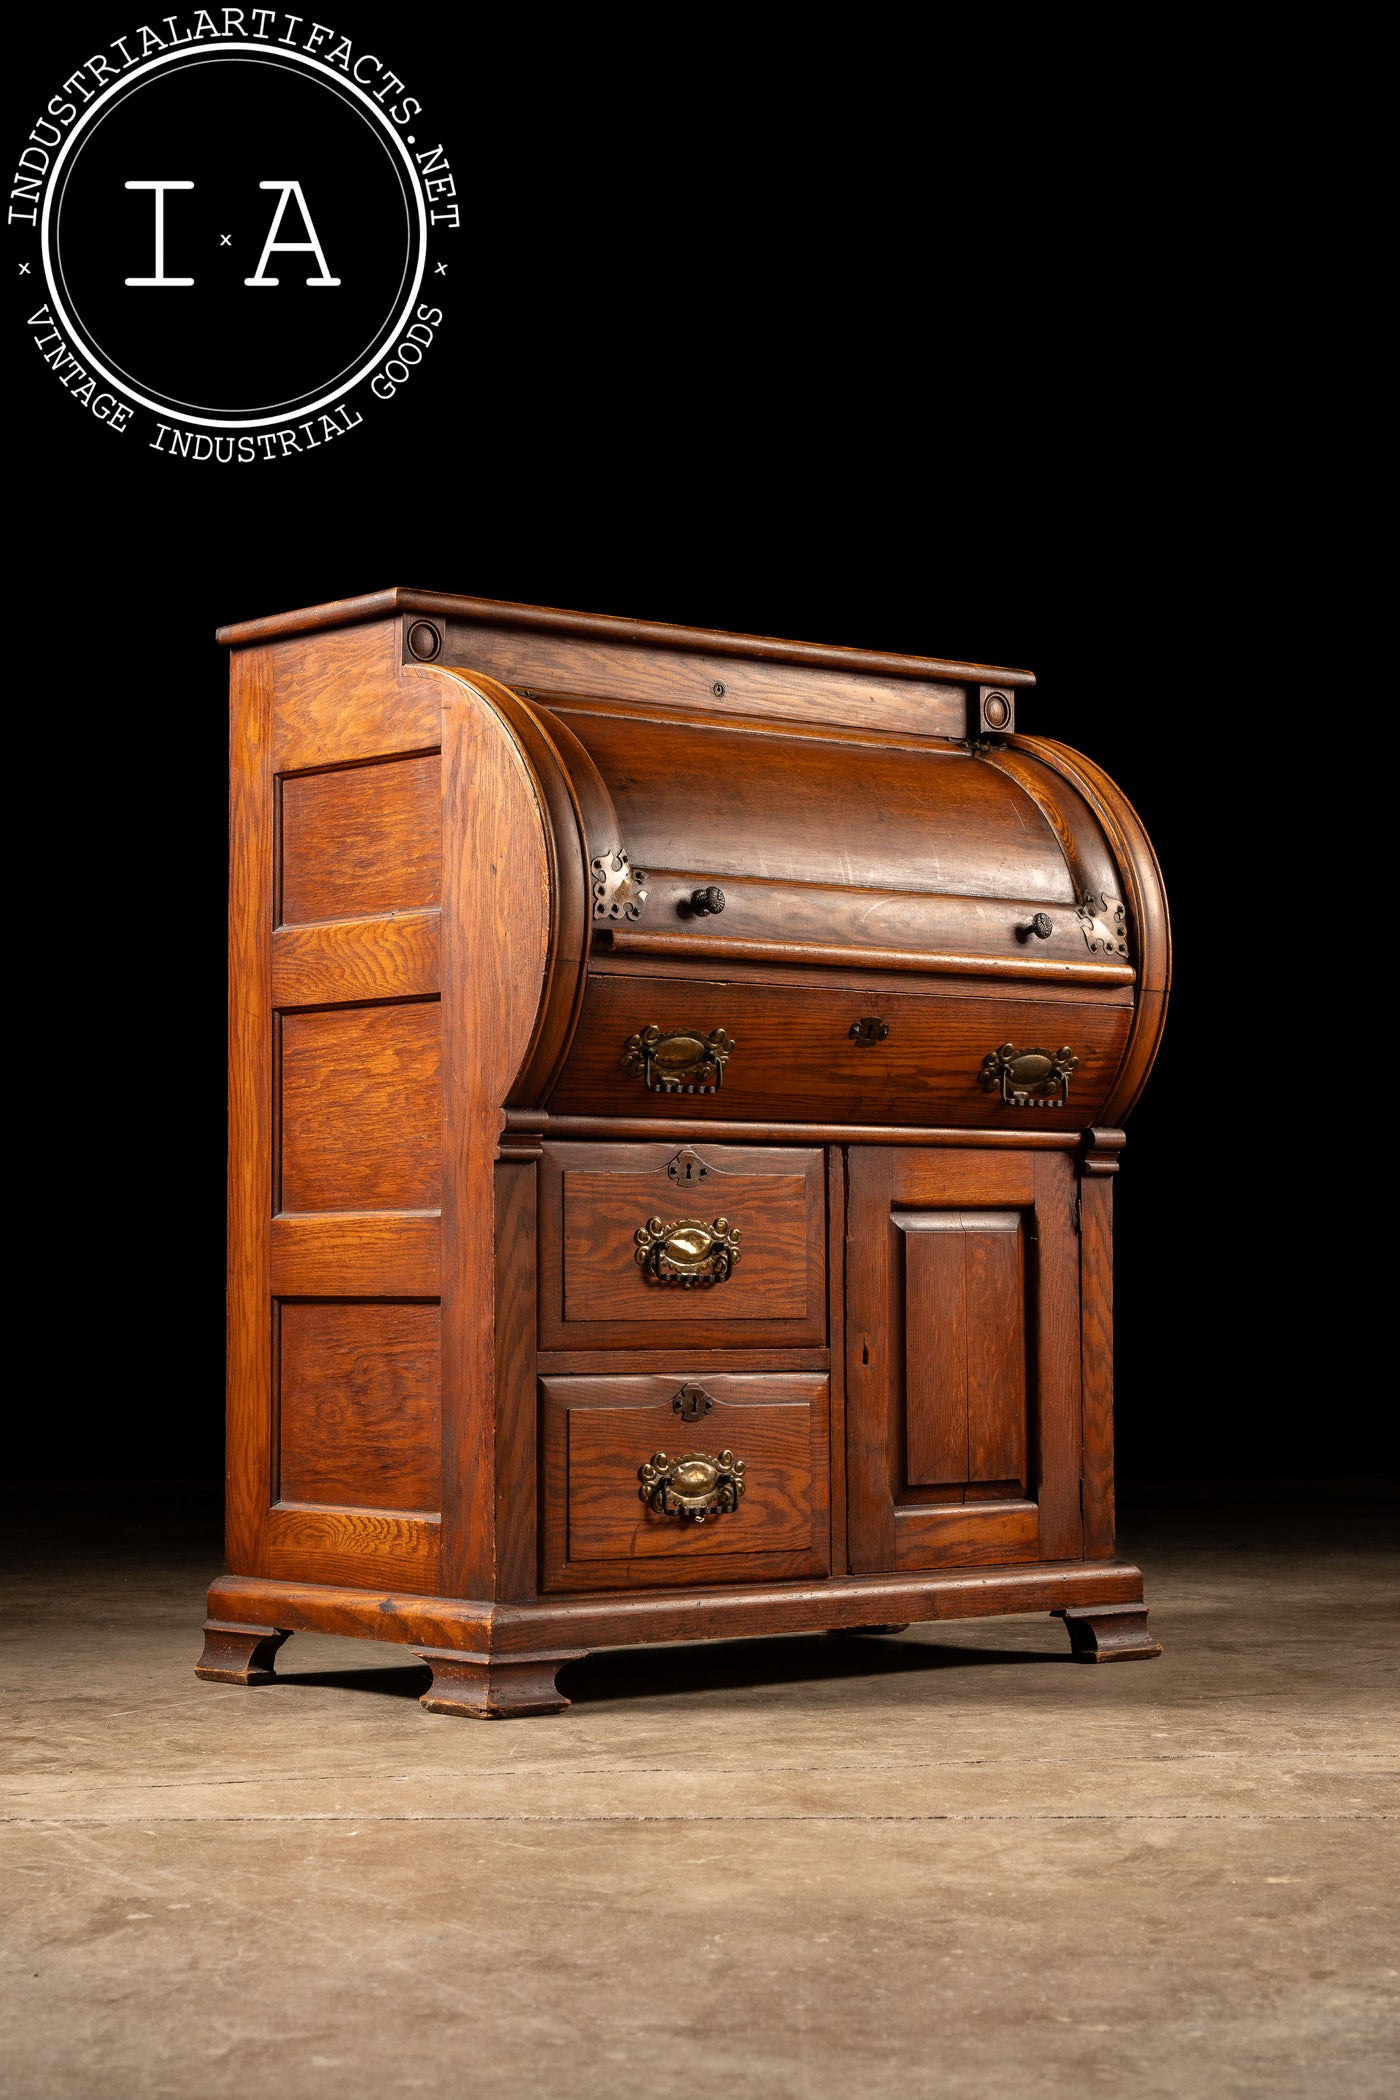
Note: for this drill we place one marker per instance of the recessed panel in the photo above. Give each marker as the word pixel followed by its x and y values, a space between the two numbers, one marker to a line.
pixel 965 1352
pixel 362 1109
pixel 365 839
pixel 361 1411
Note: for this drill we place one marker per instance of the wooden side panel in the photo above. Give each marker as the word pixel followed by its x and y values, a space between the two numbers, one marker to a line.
pixel 362 1108
pixel 360 1405
pixel 1096 1362
pixel 872 1359
pixel 362 839
pixel 370 1254
pixel 341 699
pixel 495 948
pixel 393 957
pixel 1057 1353
pixel 369 1549
pixel 251 1161
pixel 516 1430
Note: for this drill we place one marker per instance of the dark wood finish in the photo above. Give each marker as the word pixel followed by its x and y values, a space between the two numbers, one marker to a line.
pixel 936 1374
pixel 795 1055
pixel 965 1388
pixel 593 1292
pixel 486 1688
pixel 1099 1165
pixel 598 1432
pixel 240 1654
pixel 360 840
pixel 445 1364
pixel 625 1619
pixel 687 1129
pixel 1100 1633
pixel 360 1405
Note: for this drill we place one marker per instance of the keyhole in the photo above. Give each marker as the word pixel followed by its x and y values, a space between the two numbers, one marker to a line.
pixel 865 1352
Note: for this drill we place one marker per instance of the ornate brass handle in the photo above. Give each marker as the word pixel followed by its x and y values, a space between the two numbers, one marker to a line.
pixel 692 1487
pixel 1029 1078
pixel 687 1252
pixel 678 1060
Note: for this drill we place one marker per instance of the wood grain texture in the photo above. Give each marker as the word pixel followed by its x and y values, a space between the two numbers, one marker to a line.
pixel 360 1405
pixel 354 960
pixel 872 1362
pixel 598 1432
pixel 594 1197
pixel 724 1130
pixel 250 1141
pixel 1055 1315
pixel 357 1254
pixel 486 1688
pixel 836 1329
pixel 371 1549
pixel 495 952
pixel 1096 1362
pixel 622 1619
pixel 481 615
pixel 516 1414
pixel 762 805
pixel 361 1108
pixel 342 699
pixel 729 946
pixel 362 839
pixel 966 1535
pixel 1140 878
pixel 893 929
pixel 794 1053
pixel 965 1395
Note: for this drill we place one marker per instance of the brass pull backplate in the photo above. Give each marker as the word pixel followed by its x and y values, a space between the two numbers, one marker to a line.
pixel 687 1252
pixel 692 1487
pixel 678 1060
pixel 1029 1078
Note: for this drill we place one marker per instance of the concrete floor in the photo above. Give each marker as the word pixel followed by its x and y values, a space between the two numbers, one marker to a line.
pixel 950 1864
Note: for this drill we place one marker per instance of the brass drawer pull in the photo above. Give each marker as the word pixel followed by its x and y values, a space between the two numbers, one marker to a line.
pixel 1029 1078
pixel 687 1253
pixel 692 1487
pixel 678 1060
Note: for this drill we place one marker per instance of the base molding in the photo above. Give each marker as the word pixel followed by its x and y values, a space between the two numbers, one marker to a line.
pixel 572 1625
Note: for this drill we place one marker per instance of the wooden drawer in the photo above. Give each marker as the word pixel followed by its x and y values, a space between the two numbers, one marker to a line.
pixel 598 1532
pixel 794 1058
pixel 594 1199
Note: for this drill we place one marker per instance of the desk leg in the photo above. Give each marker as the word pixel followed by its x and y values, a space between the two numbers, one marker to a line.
pixel 494 1687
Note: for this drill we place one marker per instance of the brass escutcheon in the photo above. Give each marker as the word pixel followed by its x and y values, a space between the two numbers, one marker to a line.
pixel 692 1487
pixel 687 1252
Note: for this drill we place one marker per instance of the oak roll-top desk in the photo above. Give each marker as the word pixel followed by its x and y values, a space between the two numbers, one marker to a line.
pixel 677 1083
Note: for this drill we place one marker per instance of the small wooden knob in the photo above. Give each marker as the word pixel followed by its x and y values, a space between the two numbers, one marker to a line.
pixel 706 902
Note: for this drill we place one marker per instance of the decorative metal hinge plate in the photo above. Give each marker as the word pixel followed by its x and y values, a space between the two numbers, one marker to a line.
pixel 619 889
pixel 1103 921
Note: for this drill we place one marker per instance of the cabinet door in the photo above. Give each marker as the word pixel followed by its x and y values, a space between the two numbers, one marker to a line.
pixel 962 1341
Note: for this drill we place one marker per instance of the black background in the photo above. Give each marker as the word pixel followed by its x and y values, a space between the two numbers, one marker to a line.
pixel 1133 456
